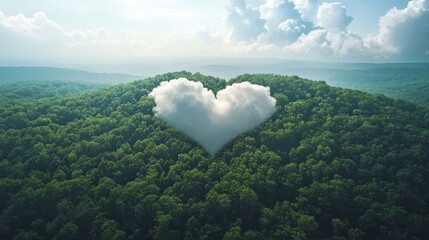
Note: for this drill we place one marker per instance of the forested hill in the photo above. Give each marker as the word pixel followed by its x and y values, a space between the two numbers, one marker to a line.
pixel 31 90
pixel 16 74
pixel 330 163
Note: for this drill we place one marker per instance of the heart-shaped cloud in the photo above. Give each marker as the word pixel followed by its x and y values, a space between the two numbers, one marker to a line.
pixel 209 120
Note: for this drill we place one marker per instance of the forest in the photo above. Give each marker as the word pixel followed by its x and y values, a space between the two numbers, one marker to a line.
pixel 30 90
pixel 14 74
pixel 93 162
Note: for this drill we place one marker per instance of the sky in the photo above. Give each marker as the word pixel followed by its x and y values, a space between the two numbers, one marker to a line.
pixel 73 31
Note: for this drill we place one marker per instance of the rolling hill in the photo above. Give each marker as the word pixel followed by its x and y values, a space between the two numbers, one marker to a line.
pixel 15 74
pixel 32 90
pixel 408 81
pixel 331 163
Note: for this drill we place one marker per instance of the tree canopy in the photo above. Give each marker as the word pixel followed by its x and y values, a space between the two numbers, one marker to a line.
pixel 331 163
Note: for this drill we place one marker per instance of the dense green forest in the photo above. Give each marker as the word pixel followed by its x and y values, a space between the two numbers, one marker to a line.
pixel 330 163
pixel 409 83
pixel 16 74
pixel 30 90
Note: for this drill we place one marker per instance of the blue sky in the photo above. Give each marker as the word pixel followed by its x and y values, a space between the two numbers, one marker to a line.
pixel 348 30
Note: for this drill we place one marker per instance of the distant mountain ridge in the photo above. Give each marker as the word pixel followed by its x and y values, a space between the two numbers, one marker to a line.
pixel 408 81
pixel 15 74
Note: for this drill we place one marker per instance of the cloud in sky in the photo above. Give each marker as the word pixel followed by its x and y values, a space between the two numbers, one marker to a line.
pixel 282 22
pixel 303 29
pixel 333 17
pixel 244 21
pixel 288 33
pixel 320 31
pixel 307 8
pixel 212 120
pixel 40 37
pixel 404 32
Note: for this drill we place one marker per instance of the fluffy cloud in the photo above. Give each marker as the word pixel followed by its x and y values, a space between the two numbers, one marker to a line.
pixel 38 37
pixel 330 39
pixel 333 17
pixel 404 32
pixel 305 28
pixel 322 44
pixel 282 22
pixel 23 36
pixel 244 21
pixel 32 26
pixel 307 8
pixel 269 28
pixel 288 26
pixel 212 120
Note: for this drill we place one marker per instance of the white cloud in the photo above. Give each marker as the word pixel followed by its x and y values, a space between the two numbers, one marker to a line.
pixel 286 29
pixel 322 44
pixel 283 22
pixel 261 28
pixel 212 120
pixel 38 37
pixel 244 21
pixel 22 36
pixel 307 8
pixel 33 26
pixel 404 32
pixel 333 17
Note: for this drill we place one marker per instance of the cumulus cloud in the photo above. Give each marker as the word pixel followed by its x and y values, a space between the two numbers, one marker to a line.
pixel 320 31
pixel 38 36
pixel 403 33
pixel 244 21
pixel 302 27
pixel 307 8
pixel 282 22
pixel 323 44
pixel 212 120
pixel 32 26
pixel 21 35
pixel 305 29
pixel 333 17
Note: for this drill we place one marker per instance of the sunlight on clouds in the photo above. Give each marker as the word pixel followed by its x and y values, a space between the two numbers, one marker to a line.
pixel 149 10
pixel 333 16
pixel 31 26
pixel 304 29
pixel 283 22
pixel 38 36
pixel 404 32
pixel 307 8
pixel 244 22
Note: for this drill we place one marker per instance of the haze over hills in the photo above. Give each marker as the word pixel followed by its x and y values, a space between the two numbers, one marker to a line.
pixel 408 81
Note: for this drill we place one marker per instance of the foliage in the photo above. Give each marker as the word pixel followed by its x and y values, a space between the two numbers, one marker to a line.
pixel 29 90
pixel 330 164
pixel 404 82
pixel 9 74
